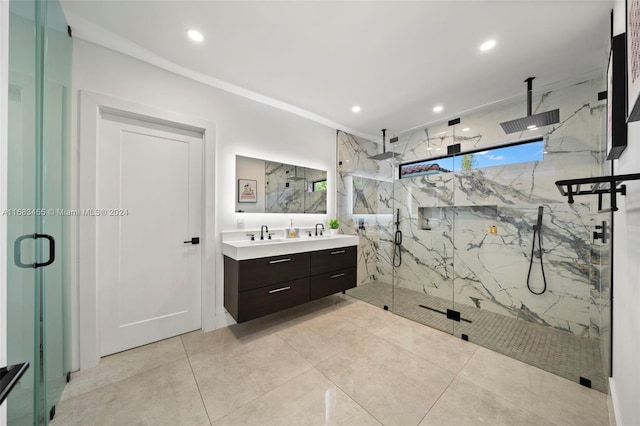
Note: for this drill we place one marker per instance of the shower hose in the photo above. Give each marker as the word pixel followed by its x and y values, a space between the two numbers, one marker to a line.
pixel 536 231
pixel 397 249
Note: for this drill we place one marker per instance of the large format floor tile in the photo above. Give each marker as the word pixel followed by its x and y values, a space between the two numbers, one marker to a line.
pixel 555 398
pixel 234 375
pixel 465 403
pixel 366 316
pixel 321 337
pixel 308 399
pixel 395 386
pixel 117 367
pixel 442 349
pixel 371 367
pixel 167 395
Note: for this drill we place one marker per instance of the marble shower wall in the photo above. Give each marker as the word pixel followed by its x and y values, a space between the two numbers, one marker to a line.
pixel 289 189
pixel 283 194
pixel 364 204
pixel 447 249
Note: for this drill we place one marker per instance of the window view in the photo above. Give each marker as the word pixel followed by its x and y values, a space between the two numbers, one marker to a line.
pixel 319 185
pixel 499 156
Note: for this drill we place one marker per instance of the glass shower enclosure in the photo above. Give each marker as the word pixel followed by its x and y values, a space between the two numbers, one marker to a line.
pixel 38 219
pixel 469 262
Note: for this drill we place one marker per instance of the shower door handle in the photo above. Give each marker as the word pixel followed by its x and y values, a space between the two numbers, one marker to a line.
pixel 17 251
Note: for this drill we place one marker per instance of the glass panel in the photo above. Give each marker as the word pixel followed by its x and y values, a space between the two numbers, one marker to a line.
pixel 38 311
pixel 365 209
pixel 422 240
pixel 56 187
pixel 527 281
pixel 23 331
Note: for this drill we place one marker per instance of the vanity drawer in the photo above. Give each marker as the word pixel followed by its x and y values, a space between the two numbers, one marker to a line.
pixel 255 273
pixel 332 282
pixel 266 300
pixel 333 259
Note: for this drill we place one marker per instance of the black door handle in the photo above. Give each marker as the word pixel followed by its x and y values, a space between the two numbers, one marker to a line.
pixel 17 251
pixel 194 240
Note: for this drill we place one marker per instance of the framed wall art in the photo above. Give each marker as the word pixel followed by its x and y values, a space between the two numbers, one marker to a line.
pixel 247 191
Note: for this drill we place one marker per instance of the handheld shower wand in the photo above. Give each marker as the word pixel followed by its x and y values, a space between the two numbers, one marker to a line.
pixel 397 243
pixel 537 229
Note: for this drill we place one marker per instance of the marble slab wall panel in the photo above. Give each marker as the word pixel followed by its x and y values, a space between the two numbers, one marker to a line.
pixel 457 257
pixel 364 204
pixel 283 194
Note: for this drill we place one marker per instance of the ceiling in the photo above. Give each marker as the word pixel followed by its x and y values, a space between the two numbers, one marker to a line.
pixel 395 59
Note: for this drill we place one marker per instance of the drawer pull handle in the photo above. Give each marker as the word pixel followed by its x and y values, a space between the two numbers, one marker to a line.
pixel 337 252
pixel 279 289
pixel 337 275
pixel 280 261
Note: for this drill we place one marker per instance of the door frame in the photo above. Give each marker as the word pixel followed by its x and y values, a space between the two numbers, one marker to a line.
pixel 90 108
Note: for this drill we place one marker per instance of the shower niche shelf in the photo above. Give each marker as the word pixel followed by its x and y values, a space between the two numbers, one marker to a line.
pixel 429 218
pixel 600 186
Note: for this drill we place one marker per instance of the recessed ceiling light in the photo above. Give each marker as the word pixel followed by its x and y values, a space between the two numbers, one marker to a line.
pixel 438 108
pixel 532 127
pixel 488 45
pixel 428 148
pixel 355 108
pixel 195 35
pixel 466 129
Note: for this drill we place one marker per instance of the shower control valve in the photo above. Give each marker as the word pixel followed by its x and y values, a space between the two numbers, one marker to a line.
pixel 601 235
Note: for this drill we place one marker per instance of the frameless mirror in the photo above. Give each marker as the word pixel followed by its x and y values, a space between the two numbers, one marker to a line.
pixel 272 187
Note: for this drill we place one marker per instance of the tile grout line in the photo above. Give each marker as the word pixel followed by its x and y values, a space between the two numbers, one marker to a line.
pixel 347 395
pixel 314 367
pixel 257 397
pixel 124 378
pixel 453 379
pixel 193 374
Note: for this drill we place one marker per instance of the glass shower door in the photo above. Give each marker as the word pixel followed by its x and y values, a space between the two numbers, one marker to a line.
pixel 423 256
pixel 38 267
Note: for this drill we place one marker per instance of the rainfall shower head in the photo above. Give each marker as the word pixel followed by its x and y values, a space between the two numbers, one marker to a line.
pixel 295 176
pixel 531 121
pixel 385 154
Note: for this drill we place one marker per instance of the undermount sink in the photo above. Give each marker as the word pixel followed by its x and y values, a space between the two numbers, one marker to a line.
pixel 272 240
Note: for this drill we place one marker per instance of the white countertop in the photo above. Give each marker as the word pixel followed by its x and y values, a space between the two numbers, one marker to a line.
pixel 245 249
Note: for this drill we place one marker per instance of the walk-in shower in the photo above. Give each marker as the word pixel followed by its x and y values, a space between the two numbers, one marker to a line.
pixel 466 220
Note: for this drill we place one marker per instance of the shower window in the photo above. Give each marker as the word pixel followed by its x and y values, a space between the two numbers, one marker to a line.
pixel 519 152
pixel 319 185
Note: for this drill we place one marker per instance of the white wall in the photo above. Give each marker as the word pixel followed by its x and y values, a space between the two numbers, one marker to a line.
pixel 4 85
pixel 243 127
pixel 625 385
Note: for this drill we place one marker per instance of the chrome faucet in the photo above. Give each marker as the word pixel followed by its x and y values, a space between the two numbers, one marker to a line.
pixel 321 225
pixel 262 229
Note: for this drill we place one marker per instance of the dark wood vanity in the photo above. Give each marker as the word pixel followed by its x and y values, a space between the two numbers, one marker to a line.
pixel 257 287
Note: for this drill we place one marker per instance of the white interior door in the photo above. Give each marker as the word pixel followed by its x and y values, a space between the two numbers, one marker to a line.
pixel 150 187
